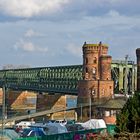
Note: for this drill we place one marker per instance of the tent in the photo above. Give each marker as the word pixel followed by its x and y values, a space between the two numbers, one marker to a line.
pixel 51 128
pixel 94 124
pixel 55 128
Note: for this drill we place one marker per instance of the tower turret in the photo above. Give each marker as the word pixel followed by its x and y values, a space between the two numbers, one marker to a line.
pixel 97 83
pixel 91 56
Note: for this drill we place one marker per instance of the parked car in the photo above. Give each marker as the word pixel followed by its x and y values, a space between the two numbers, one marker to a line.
pixel 74 127
pixel 50 121
pixel 51 128
pixel 63 122
pixel 33 132
pixel 24 124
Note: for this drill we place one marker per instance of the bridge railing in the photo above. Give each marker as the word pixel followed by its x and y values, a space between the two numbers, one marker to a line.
pixel 122 62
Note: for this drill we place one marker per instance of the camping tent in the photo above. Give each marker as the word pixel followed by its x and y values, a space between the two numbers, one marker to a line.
pixel 55 128
pixel 94 124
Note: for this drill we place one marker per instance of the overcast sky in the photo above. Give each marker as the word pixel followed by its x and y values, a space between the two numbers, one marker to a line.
pixel 52 32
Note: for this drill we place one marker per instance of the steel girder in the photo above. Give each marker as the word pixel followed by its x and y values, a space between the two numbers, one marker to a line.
pixel 124 75
pixel 59 79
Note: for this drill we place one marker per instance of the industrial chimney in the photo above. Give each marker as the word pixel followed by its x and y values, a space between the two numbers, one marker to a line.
pixel 138 68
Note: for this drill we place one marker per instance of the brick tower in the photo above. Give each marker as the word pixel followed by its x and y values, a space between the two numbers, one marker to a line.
pixel 138 68
pixel 97 83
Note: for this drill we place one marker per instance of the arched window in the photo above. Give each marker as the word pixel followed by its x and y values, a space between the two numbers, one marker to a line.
pixel 93 92
pixel 86 60
pixel 86 70
pixel 94 70
pixel 86 73
pixel 94 60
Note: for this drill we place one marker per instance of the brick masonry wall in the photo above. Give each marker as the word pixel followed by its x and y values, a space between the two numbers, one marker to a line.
pixel 103 89
pixel 106 89
pixel 17 99
pixel 50 101
pixel 46 102
pixel 105 67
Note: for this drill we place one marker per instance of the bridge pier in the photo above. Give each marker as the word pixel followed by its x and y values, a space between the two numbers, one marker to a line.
pixel 18 101
pixel 54 102
pixel 122 79
pixel 47 101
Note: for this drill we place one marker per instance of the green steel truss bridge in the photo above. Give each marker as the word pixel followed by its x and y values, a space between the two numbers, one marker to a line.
pixel 62 79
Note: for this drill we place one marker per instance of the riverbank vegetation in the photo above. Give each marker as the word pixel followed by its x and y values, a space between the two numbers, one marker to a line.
pixel 128 120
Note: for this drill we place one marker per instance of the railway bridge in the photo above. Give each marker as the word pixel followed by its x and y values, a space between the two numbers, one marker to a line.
pixel 64 79
pixel 98 73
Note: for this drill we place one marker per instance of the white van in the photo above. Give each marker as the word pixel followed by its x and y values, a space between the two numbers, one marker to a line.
pixel 62 122
pixel 24 124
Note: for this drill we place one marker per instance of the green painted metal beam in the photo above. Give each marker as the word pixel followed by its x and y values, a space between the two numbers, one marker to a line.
pixel 59 79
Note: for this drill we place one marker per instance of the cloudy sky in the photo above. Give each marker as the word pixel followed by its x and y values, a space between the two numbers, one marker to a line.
pixel 52 32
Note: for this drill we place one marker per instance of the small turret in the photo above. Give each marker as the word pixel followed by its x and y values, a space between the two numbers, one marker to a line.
pixel 105 67
pixel 91 58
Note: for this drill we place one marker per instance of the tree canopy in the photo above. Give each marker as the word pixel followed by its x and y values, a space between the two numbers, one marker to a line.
pixel 129 117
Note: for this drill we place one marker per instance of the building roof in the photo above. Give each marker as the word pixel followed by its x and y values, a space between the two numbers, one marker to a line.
pixel 113 104
pixel 95 45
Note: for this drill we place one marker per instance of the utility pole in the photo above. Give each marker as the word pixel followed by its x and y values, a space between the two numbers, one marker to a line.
pixel 90 107
pixel 126 76
pixel 81 113
pixel 90 110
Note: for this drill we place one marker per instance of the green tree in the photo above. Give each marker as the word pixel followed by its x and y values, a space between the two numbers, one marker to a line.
pixel 129 117
pixel 122 120
pixel 135 118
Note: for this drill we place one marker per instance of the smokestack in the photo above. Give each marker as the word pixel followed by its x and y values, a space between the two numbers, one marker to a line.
pixel 138 68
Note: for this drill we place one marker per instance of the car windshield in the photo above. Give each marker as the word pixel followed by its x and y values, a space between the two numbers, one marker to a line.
pixel 33 132
pixel 26 132
pixel 36 133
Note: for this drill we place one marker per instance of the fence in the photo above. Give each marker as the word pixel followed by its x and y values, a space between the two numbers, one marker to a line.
pixel 66 136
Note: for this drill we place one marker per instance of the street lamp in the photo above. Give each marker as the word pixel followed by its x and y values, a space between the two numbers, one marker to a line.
pixel 92 93
pixel 90 106
pixel 3 109
pixel 81 112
